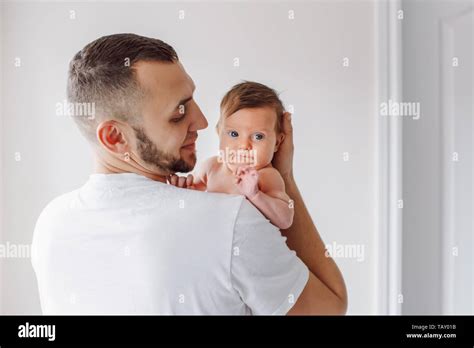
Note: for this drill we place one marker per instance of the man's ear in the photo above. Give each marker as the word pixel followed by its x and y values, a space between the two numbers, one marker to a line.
pixel 279 140
pixel 112 136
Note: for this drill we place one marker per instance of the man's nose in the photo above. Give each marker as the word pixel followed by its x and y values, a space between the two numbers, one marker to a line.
pixel 200 121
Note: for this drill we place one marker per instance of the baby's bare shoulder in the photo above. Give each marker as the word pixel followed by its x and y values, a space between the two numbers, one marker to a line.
pixel 269 171
pixel 209 165
pixel 270 179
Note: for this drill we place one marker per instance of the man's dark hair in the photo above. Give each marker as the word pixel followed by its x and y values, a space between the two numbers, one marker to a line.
pixel 103 73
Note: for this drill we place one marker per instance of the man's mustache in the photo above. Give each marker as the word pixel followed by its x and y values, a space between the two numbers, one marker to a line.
pixel 191 139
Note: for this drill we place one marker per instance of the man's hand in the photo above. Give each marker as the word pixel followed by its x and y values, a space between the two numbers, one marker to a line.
pixel 283 158
pixel 246 179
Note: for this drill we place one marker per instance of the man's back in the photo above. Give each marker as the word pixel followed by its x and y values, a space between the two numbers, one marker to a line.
pixel 125 244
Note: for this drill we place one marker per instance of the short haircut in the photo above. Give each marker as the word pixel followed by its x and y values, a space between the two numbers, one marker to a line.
pixel 103 73
pixel 250 94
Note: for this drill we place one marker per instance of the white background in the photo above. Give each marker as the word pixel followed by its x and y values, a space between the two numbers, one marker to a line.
pixel 335 111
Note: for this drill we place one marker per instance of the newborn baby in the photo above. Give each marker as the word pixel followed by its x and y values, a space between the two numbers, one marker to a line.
pixel 249 130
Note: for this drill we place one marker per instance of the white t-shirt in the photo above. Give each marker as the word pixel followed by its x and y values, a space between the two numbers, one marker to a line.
pixel 125 244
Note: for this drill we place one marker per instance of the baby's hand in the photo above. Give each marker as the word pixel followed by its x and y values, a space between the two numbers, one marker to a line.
pixel 181 181
pixel 246 179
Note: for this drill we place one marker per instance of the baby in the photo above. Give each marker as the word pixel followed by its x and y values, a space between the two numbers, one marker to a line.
pixel 249 130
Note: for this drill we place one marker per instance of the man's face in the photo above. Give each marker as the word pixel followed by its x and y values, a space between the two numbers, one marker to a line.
pixel 165 139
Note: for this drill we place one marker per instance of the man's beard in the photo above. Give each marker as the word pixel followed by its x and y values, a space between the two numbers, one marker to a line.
pixel 150 154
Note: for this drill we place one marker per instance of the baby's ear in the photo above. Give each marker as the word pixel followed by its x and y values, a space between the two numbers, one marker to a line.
pixel 279 140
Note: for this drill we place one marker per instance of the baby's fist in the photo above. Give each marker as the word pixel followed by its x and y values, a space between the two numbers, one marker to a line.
pixel 246 179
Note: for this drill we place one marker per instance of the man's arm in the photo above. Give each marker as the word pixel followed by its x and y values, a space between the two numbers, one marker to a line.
pixel 325 291
pixel 325 281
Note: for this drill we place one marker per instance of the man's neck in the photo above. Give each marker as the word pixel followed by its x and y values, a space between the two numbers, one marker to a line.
pixel 104 167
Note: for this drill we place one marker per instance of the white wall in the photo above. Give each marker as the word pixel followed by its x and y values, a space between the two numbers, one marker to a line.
pixel 436 189
pixel 302 58
pixel 1 150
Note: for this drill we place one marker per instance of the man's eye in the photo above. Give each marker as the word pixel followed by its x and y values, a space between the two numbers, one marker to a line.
pixel 178 119
pixel 233 134
pixel 258 136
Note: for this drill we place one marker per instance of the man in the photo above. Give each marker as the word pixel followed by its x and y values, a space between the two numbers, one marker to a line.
pixel 128 243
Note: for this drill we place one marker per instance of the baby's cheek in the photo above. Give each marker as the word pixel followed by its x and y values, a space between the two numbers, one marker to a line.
pixel 222 144
pixel 264 155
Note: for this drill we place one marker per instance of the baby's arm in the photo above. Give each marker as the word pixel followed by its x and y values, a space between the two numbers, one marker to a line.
pixel 266 190
pixel 198 181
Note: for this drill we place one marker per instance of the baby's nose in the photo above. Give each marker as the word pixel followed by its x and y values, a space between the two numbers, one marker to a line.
pixel 245 145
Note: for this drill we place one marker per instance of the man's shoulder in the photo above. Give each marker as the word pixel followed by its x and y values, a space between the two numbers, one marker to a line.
pixel 214 201
pixel 235 209
pixel 63 200
pixel 251 224
pixel 57 205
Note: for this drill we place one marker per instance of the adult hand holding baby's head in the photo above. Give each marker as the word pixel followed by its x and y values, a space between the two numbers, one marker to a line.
pixel 283 158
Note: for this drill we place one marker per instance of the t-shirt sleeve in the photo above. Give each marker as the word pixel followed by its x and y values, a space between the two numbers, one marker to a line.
pixel 268 275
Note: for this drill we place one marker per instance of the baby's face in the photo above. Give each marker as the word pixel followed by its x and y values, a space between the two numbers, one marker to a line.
pixel 248 137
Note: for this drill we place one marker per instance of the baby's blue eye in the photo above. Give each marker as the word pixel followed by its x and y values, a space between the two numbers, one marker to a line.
pixel 258 136
pixel 233 134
